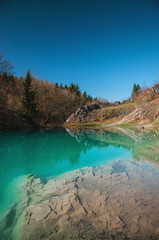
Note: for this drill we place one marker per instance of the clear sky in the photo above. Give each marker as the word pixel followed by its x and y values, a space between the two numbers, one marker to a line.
pixel 104 46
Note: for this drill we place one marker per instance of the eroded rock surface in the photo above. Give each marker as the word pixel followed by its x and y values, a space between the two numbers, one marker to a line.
pixel 85 113
pixel 115 201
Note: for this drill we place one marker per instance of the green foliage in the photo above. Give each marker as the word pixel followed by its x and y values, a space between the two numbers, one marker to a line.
pixel 56 85
pixel 28 101
pixel 89 98
pixel 74 89
pixel 61 85
pixel 136 89
pixel 84 97
pixel 77 90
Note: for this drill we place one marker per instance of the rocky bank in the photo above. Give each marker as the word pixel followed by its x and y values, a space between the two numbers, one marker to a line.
pixel 141 108
pixel 85 114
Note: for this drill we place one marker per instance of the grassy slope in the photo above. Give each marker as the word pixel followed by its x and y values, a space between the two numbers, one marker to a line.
pixel 137 113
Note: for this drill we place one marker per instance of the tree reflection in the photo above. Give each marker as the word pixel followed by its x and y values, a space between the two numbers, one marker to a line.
pixel 28 150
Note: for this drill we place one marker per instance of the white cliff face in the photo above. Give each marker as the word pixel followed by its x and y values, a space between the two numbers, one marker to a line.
pixel 116 201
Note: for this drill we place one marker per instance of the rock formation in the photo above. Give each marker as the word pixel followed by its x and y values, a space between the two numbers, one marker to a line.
pixel 115 201
pixel 84 114
pixel 155 89
pixel 143 107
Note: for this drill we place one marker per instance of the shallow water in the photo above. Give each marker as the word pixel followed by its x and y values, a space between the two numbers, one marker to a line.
pixel 50 154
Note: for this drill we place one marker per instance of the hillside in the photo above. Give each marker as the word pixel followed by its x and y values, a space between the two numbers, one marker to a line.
pixel 27 102
pixel 37 104
pixel 140 108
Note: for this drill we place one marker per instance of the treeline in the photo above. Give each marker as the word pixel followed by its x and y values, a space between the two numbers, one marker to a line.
pixel 144 95
pixel 39 102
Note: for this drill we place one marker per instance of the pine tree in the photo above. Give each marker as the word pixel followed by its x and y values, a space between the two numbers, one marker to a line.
pixel 72 87
pixel 61 86
pixel 28 101
pixel 89 98
pixel 56 85
pixel 77 90
pixel 85 95
pixel 66 86
pixel 136 89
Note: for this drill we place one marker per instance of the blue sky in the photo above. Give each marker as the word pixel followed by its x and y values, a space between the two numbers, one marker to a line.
pixel 104 46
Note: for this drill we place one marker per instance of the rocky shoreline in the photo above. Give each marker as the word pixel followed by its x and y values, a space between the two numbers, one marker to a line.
pixel 116 201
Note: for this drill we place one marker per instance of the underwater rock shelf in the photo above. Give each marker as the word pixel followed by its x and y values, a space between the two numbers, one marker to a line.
pixel 116 201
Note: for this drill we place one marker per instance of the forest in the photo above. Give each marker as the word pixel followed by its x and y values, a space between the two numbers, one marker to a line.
pixel 35 102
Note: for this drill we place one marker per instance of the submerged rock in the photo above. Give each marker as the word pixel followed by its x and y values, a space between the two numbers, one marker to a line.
pixel 116 201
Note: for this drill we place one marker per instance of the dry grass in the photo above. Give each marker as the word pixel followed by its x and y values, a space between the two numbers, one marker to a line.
pixel 114 114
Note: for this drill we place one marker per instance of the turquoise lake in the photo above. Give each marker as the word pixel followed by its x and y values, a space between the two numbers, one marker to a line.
pixel 50 154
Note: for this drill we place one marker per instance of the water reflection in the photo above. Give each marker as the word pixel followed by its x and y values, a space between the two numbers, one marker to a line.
pixel 26 150
pixel 55 152
pixel 143 145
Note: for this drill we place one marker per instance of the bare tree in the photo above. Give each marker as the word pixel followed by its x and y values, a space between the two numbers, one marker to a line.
pixel 5 66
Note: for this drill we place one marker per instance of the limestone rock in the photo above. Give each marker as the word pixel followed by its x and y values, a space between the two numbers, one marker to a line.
pixel 84 205
pixel 84 114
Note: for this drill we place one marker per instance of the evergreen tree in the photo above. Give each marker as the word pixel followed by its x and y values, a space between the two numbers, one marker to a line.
pixel 56 85
pixel 85 95
pixel 66 86
pixel 77 90
pixel 136 89
pixel 72 87
pixel 61 86
pixel 28 101
pixel 89 98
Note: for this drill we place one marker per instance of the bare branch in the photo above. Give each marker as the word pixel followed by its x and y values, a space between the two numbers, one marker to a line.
pixel 5 66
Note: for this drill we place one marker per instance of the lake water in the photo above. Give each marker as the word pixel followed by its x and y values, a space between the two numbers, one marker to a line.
pixel 48 155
